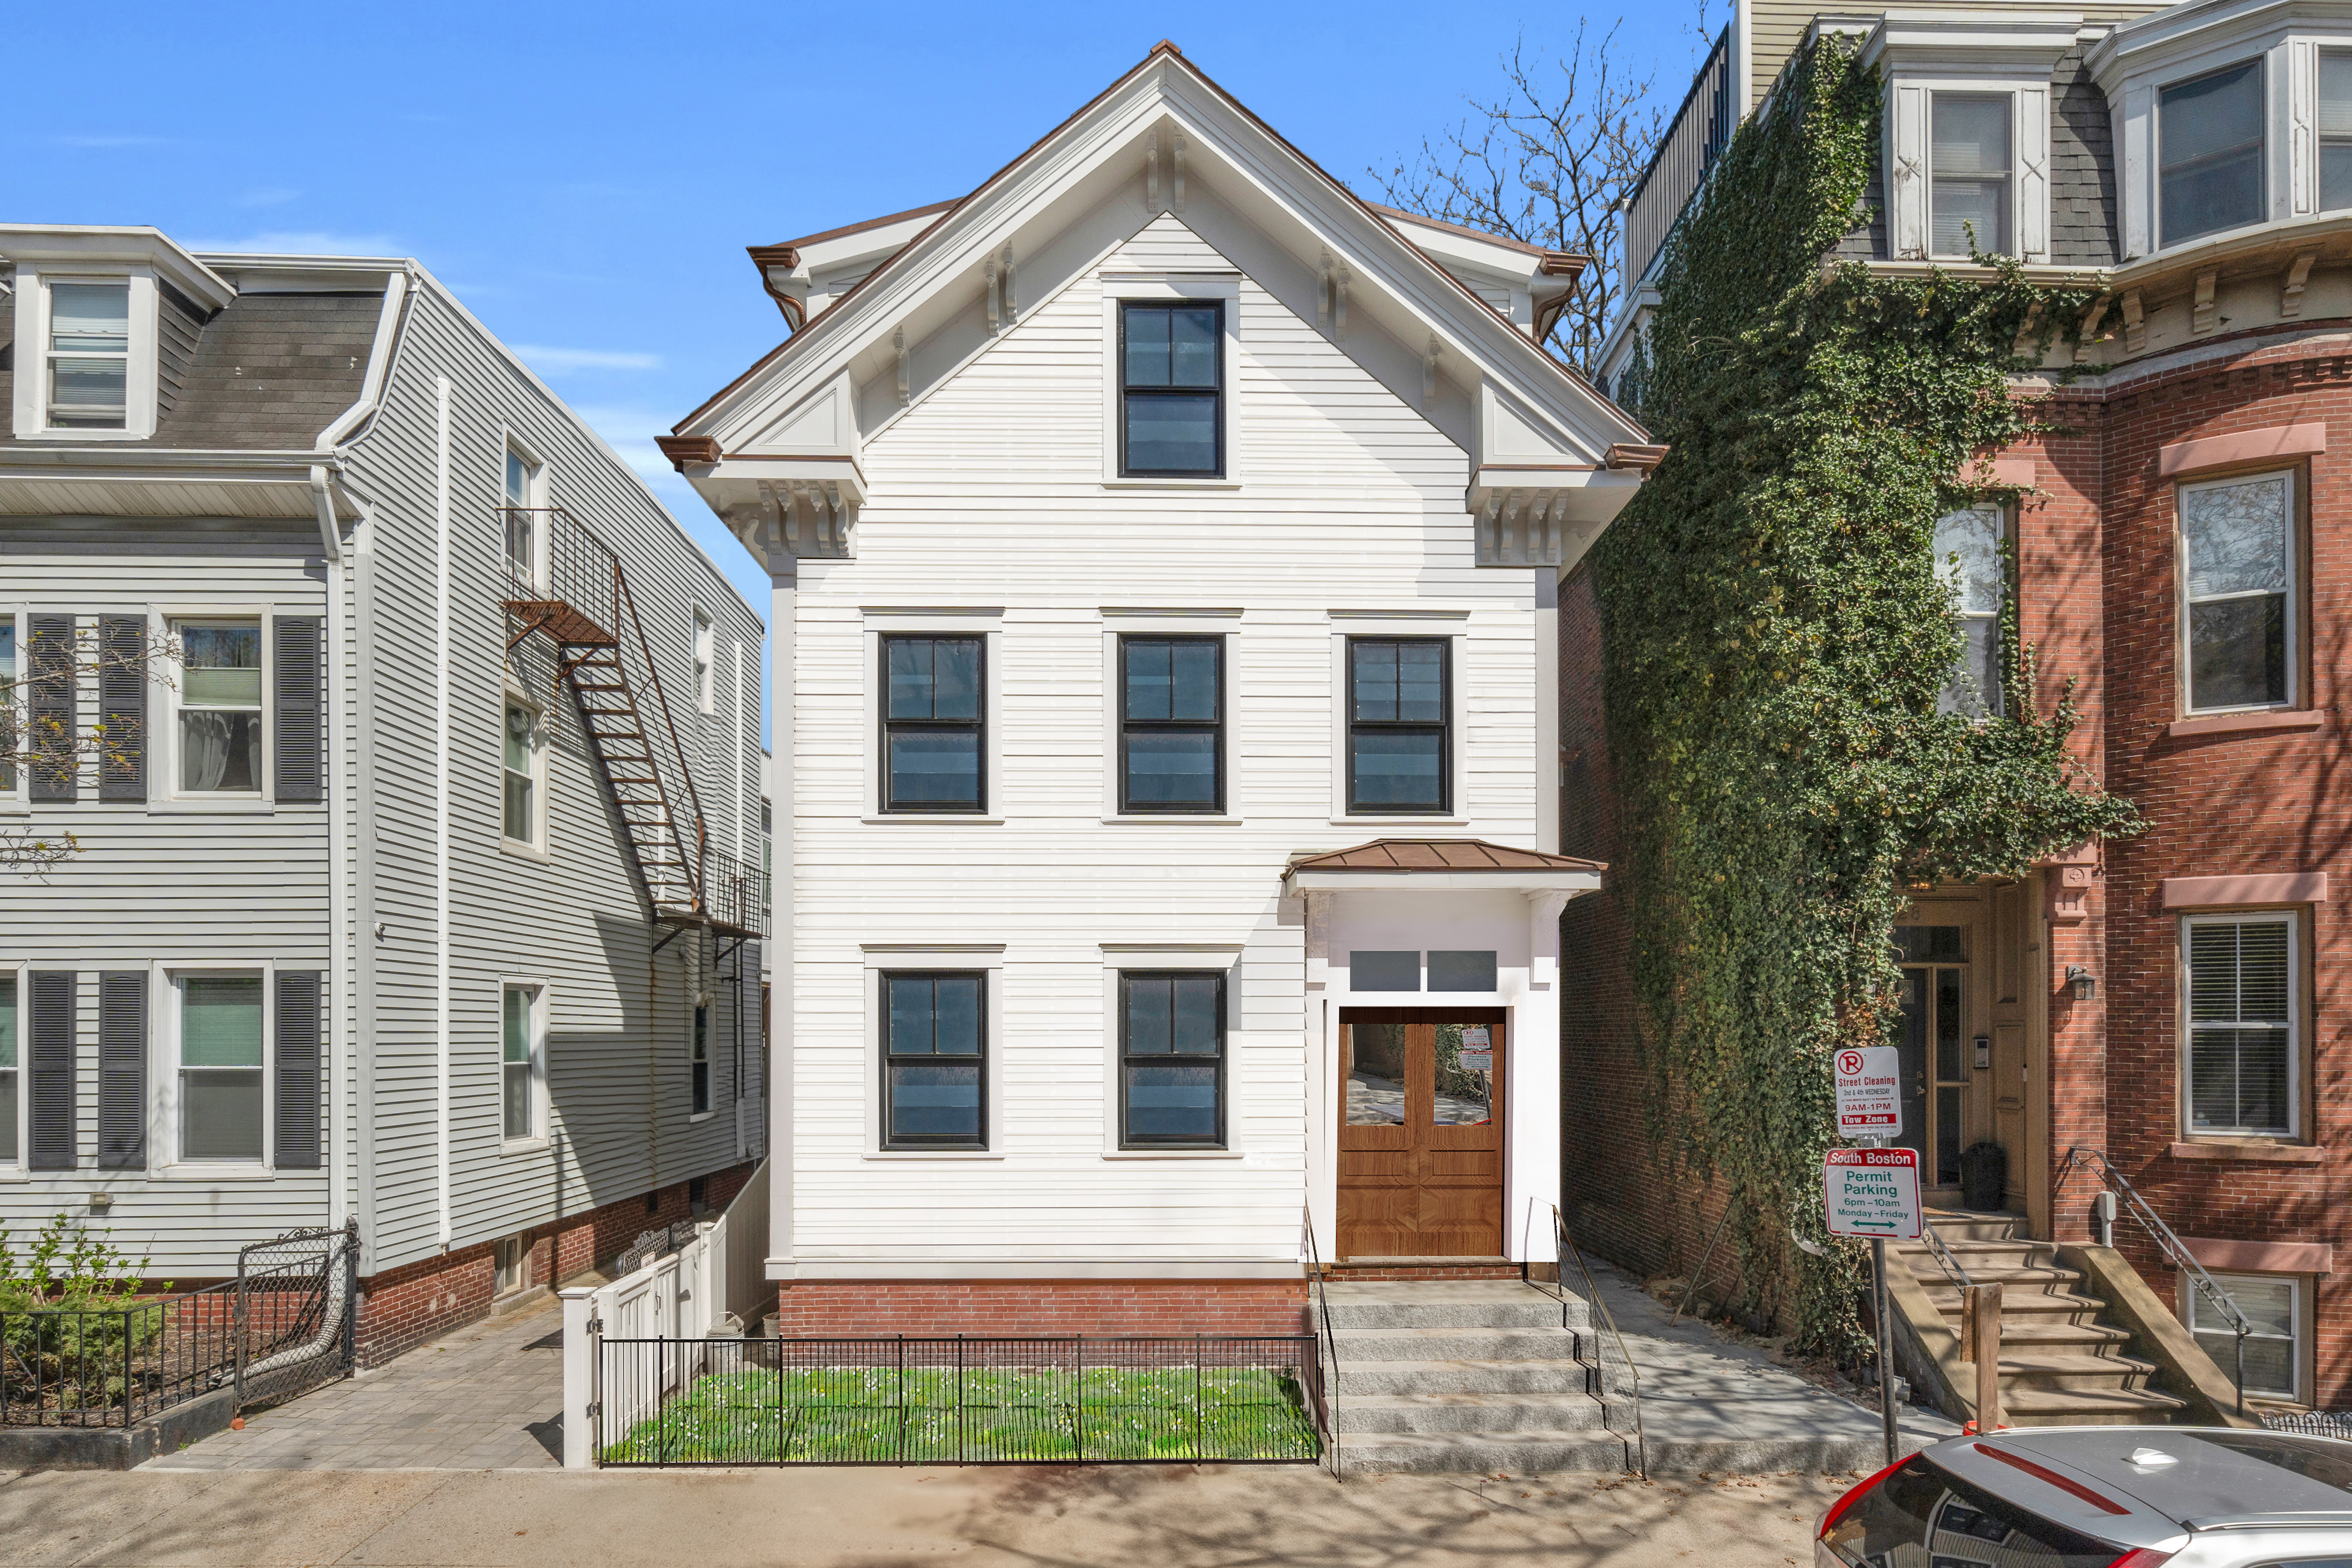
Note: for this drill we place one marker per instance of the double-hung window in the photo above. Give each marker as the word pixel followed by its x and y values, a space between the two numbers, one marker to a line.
pixel 1975 579
pixel 1400 749
pixel 2335 130
pixel 934 1059
pixel 2244 1022
pixel 522 517
pixel 934 707
pixel 520 754
pixel 2273 1308
pixel 12 1073
pixel 1968 172
pixel 521 1059
pixel 8 701
pixel 222 1068
pixel 2238 591
pixel 1171 1049
pixel 2209 153
pixel 1171 745
pixel 1171 389
pixel 706 684
pixel 699 1061
pixel 90 356
pixel 219 735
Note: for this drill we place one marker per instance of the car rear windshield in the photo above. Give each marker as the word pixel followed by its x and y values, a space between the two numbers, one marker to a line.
pixel 1920 1515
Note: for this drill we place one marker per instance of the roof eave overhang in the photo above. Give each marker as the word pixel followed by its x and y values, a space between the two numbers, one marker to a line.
pixel 62 246
pixel 1440 879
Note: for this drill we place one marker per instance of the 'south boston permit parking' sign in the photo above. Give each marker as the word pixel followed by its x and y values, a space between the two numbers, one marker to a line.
pixel 1869 1093
pixel 1872 1192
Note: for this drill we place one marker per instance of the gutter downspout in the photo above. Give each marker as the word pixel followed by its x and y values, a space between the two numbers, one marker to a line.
pixel 395 288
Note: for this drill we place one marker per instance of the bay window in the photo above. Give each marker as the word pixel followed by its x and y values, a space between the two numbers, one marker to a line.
pixel 2244 1024
pixel 222 1067
pixel 2209 153
pixel 2335 130
pixel 2238 592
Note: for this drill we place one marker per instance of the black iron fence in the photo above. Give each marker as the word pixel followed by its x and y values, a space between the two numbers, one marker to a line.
pixel 959 1400
pixel 282 1327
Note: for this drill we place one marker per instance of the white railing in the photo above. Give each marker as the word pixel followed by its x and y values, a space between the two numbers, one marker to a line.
pixel 708 1286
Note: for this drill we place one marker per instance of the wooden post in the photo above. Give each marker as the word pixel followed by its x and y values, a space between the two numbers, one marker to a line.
pixel 1981 1344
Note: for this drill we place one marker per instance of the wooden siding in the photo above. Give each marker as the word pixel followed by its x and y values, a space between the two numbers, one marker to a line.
pixel 1776 27
pixel 988 493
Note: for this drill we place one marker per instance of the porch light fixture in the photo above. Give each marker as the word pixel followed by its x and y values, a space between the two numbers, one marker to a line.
pixel 2080 982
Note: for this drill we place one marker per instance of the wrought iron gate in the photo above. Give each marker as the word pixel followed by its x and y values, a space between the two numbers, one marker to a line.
pixel 296 1308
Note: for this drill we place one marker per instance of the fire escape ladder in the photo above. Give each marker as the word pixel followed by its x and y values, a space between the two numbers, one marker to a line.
pixel 564 584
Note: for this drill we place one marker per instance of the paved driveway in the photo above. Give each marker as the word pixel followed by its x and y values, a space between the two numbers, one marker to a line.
pixel 486 1397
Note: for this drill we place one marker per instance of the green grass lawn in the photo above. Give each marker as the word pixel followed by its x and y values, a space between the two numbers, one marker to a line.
pixel 818 1415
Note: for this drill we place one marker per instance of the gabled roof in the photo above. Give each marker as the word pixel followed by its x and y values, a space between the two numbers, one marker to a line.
pixel 1441 855
pixel 1230 145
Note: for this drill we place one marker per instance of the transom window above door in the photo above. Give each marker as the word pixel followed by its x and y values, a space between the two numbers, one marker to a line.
pixel 1171 389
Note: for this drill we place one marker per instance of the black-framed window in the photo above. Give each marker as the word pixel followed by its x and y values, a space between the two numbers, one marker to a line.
pixel 934 723
pixel 1400 739
pixel 1171 725
pixel 1171 389
pixel 1171 1047
pixel 935 1059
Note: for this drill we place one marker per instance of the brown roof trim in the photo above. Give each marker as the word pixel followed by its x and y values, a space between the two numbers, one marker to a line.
pixel 1564 264
pixel 683 450
pixel 766 255
pixel 1625 454
pixel 1165 47
pixel 1441 855
pixel 861 227
pixel 1504 240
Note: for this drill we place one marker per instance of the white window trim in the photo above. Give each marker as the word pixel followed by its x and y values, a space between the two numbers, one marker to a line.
pixel 707 1004
pixel 1909 154
pixel 1452 624
pixel 163 1070
pixel 987 625
pixel 2296 1026
pixel 1223 625
pixel 19 1169
pixel 17 800
pixel 702 657
pixel 1216 958
pixel 535 494
pixel 988 957
pixel 163 694
pixel 2295 609
pixel 542 994
pixel 2300 1339
pixel 536 848
pixel 31 410
pixel 1118 287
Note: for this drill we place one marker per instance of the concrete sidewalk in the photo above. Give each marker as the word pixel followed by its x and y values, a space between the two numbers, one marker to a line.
pixel 488 1396
pixel 1710 1403
pixel 1073 1517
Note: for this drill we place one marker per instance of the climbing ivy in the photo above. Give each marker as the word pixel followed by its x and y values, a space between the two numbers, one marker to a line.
pixel 1776 637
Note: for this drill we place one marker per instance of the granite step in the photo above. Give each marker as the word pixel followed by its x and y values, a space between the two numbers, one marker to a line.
pixel 1591 1448
pixel 1468 1412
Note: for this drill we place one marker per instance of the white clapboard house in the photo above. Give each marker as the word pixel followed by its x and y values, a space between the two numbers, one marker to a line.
pixel 414 884
pixel 1165 545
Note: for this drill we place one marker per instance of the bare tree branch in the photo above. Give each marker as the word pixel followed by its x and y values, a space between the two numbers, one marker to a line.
pixel 36 744
pixel 1548 161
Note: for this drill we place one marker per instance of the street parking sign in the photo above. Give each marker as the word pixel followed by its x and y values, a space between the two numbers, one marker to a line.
pixel 1872 1192
pixel 1869 1093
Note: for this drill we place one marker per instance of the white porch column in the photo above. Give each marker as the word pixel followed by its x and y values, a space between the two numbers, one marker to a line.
pixel 784 578
pixel 1534 1107
pixel 1322 1081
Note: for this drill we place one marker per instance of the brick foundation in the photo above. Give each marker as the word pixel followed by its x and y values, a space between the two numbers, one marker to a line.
pixel 1023 1306
pixel 403 1307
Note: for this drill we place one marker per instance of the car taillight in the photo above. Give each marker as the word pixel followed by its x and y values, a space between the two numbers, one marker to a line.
pixel 2143 1557
pixel 1844 1505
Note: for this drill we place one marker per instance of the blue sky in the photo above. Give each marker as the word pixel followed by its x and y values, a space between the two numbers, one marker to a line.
pixel 586 177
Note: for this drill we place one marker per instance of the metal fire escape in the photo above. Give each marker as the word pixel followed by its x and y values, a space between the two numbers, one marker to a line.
pixel 565 584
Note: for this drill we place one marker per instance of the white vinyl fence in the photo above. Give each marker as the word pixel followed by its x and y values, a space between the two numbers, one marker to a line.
pixel 714 1286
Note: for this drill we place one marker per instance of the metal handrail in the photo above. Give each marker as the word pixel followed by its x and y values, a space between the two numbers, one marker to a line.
pixel 1329 1340
pixel 2170 1245
pixel 1565 1250
pixel 1695 139
pixel 1951 1265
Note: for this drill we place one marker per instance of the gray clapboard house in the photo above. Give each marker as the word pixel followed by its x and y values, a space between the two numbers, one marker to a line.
pixel 418 879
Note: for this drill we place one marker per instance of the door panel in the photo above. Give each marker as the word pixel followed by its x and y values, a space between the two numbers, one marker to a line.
pixel 1421 1151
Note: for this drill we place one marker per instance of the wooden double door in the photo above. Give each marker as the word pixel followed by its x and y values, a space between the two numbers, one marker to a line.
pixel 1421 1131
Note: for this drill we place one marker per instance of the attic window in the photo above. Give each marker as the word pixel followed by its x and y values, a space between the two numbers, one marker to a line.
pixel 90 356
pixel 1171 389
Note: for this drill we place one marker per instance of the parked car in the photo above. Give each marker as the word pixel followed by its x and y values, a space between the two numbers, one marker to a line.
pixel 2102 1496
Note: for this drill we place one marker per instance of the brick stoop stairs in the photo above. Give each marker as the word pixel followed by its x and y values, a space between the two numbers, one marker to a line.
pixel 1473 1375
pixel 2060 1365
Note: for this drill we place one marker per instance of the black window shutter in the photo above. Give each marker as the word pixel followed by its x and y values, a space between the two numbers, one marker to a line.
pixel 57 995
pixel 122 708
pixel 301 719
pixel 52 707
pixel 122 1070
pixel 297 1069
